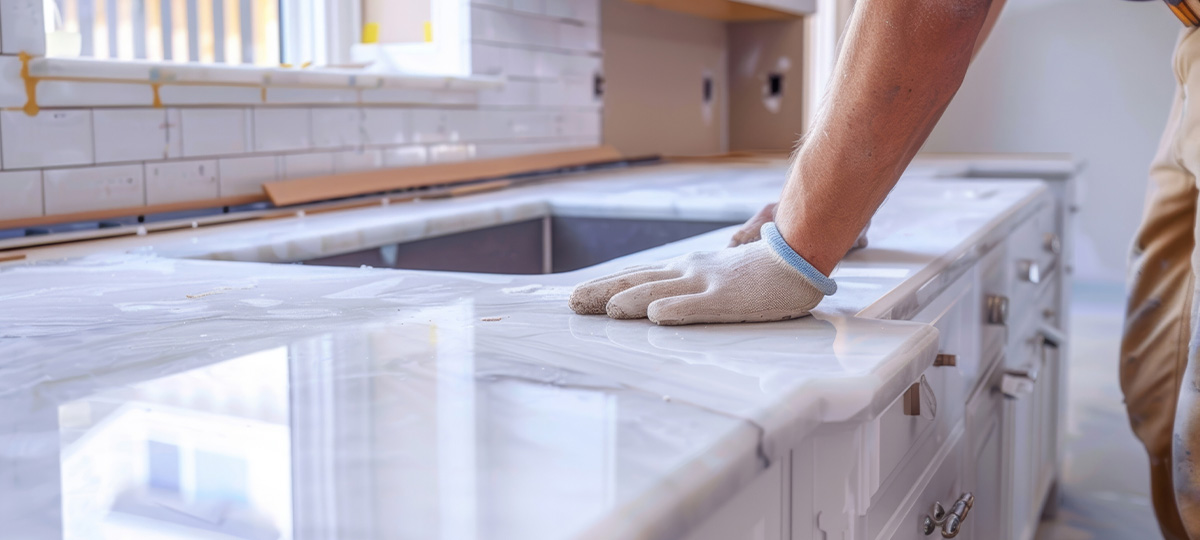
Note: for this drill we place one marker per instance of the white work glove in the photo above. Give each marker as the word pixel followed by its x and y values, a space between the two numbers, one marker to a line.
pixel 750 230
pixel 758 282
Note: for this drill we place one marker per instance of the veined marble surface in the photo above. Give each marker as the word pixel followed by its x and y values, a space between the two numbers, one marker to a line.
pixel 141 393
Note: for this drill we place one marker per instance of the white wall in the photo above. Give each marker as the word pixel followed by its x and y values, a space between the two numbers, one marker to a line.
pixel 1089 77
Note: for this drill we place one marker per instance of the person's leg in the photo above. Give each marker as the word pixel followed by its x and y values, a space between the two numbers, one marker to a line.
pixel 1154 348
pixel 1186 440
pixel 1157 324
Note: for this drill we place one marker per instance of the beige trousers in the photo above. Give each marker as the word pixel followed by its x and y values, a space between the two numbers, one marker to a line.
pixel 1161 385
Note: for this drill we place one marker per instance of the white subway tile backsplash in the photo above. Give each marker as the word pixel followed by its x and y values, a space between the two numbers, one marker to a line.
pixel 429 126
pixel 12 87
pixel 306 165
pixel 311 95
pixel 50 139
pixel 384 126
pixel 20 194
pixel 548 49
pixel 399 96
pixel 287 129
pixel 130 134
pixel 22 27
pixel 579 37
pixel 450 153
pixel 174 133
pixel 456 97
pixel 180 181
pixel 512 94
pixel 580 124
pixel 485 59
pixel 407 156
pixel 505 27
pixel 337 127
pixel 69 191
pixel 357 161
pixel 172 95
pixel 462 125
pixel 246 175
pixel 214 132
pixel 93 94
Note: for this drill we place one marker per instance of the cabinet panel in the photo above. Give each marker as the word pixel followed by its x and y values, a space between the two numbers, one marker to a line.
pixel 754 514
pixel 983 473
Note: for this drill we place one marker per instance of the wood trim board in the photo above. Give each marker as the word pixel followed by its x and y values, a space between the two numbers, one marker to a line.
pixel 320 188
pixel 97 215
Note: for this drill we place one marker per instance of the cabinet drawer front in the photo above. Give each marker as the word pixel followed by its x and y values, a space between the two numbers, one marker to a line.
pixel 1030 260
pixel 940 482
pixel 901 438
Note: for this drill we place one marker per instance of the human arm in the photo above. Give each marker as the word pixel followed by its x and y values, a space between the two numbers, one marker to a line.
pixel 902 62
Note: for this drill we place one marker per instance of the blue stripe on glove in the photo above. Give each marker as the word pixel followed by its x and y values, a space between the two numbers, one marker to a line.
pixel 770 233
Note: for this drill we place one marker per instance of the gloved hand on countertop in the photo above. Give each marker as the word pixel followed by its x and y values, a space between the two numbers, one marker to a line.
pixel 750 230
pixel 758 282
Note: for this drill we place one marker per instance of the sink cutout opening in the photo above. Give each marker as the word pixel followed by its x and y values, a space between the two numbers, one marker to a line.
pixel 538 246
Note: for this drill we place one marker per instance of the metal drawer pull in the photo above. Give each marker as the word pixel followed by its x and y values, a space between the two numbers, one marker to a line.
pixel 1052 336
pixel 1019 382
pixel 1030 271
pixel 920 401
pixel 958 514
pixel 1052 244
pixel 997 309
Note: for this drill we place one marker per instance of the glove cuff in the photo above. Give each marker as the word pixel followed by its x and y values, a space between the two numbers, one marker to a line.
pixel 771 235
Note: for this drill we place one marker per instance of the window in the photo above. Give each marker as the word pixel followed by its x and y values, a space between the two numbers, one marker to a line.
pixel 207 31
pixel 427 37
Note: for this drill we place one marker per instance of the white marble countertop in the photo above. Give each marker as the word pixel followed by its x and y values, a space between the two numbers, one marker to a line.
pixel 406 404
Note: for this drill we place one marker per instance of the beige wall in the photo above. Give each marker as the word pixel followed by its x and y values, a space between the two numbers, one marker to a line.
pixel 756 50
pixel 654 66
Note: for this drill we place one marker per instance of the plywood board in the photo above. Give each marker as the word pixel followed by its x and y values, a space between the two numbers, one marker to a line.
pixel 320 188
pixel 130 211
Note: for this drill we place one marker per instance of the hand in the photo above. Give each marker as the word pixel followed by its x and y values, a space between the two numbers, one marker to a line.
pixel 749 231
pixel 756 282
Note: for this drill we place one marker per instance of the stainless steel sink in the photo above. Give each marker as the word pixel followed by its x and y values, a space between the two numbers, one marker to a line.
pixel 539 246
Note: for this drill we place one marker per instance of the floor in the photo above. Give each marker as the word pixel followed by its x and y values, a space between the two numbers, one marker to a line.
pixel 1105 480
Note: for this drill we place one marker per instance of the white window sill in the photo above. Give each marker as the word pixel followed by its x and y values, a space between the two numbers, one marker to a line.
pixel 134 71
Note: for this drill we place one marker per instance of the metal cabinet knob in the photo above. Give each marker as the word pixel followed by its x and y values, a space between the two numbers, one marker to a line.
pixel 958 514
pixel 1029 271
pixel 951 522
pixel 1052 244
pixel 997 309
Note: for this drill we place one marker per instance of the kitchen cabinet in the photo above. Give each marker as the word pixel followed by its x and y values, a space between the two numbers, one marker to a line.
pixel 979 429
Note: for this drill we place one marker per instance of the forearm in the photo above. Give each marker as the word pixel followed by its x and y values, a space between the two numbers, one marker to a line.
pixel 902 63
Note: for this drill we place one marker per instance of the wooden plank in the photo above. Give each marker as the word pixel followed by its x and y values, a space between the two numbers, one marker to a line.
pixel 130 211
pixel 721 10
pixel 306 190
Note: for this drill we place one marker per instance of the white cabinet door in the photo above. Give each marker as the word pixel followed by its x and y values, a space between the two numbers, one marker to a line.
pixel 754 514
pixel 983 474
